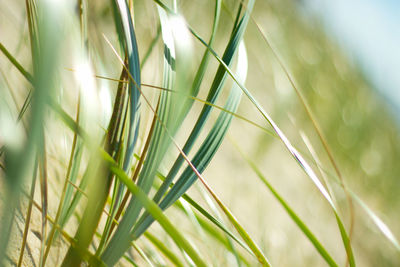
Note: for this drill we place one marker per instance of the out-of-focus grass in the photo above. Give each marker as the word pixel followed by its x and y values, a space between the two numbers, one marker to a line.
pixel 109 93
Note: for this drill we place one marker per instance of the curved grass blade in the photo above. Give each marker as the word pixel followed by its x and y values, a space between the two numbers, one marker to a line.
pixel 212 221
pixel 303 227
pixel 18 160
pixel 212 96
pixel 70 123
pixel 155 211
pixel 128 42
pixel 164 249
pixel 127 38
pixel 157 148
pixel 321 138
pixel 125 20
pixel 385 230
pixel 293 151
pixel 205 152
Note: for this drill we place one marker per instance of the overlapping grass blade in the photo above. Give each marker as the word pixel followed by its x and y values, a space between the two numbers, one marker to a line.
pixel 158 145
pixel 28 216
pixel 19 160
pixel 128 43
pixel 303 227
pixel 124 19
pixel 164 249
pixel 260 256
pixel 385 230
pixel 72 171
pixel 212 96
pixel 155 211
pixel 327 150
pixel 205 152
pixel 211 223
pixel 116 127
pixel 293 151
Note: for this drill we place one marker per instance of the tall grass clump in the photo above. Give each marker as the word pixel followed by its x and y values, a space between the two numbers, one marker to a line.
pixel 173 133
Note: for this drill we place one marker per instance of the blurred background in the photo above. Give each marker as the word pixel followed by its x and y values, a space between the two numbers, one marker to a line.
pixel 343 58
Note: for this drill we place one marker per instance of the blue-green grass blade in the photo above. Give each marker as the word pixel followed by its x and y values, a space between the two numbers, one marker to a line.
pixel 200 161
pixel 213 94
pixel 127 39
pixel 292 150
pixel 128 43
pixel 125 18
pixel 155 211
pixel 210 222
pixel 205 152
pixel 303 227
pixel 158 145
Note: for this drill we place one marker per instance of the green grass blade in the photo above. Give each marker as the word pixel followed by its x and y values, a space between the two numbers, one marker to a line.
pixel 151 47
pixel 158 146
pixel 64 199
pixel 28 216
pixel 205 152
pixel 164 249
pixel 155 211
pixel 212 96
pixel 210 222
pixel 303 227
pixel 125 18
pixel 16 64
pixel 385 230
pixel 18 160
pixel 293 151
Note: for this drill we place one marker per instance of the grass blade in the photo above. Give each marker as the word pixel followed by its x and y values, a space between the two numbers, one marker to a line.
pixel 155 212
pixel 164 249
pixel 303 227
pixel 19 160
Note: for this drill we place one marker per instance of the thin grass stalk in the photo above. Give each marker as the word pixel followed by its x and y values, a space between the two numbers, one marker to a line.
pixel 18 161
pixel 16 64
pixel 62 200
pixel 215 90
pixel 293 151
pixel 350 259
pixel 260 256
pixel 303 227
pixel 164 249
pixel 217 84
pixel 155 211
pixel 136 173
pixel 116 120
pixel 98 198
pixel 28 216
pixel 44 199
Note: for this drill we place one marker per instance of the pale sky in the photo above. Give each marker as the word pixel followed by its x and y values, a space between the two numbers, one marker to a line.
pixel 369 31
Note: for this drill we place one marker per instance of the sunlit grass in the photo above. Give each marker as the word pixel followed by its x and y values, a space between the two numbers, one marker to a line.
pixel 122 107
